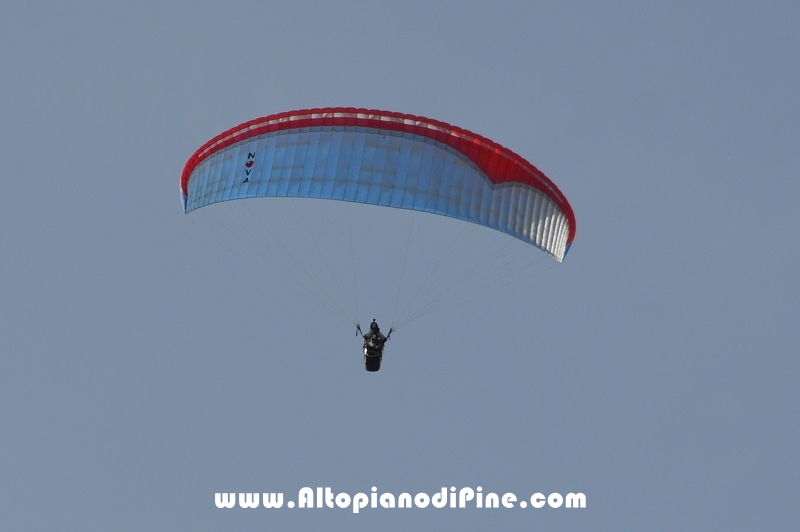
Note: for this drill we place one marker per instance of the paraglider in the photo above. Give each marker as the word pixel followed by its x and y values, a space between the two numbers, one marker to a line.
pixel 374 341
pixel 382 158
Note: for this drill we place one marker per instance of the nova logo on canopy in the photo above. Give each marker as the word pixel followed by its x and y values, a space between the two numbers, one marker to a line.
pixel 249 166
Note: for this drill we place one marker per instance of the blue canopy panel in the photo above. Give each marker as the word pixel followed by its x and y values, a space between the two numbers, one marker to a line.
pixel 385 166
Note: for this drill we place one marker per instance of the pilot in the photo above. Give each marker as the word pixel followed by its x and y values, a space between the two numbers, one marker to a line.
pixel 374 337
pixel 374 341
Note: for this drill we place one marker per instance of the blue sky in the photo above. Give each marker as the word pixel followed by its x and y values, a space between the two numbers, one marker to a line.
pixel 145 365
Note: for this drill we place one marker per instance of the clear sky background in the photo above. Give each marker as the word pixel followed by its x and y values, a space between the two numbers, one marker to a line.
pixel 145 365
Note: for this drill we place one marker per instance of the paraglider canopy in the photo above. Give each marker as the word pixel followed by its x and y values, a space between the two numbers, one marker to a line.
pixel 382 158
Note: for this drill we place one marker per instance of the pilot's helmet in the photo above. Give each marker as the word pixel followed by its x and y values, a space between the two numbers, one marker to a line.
pixel 373 325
